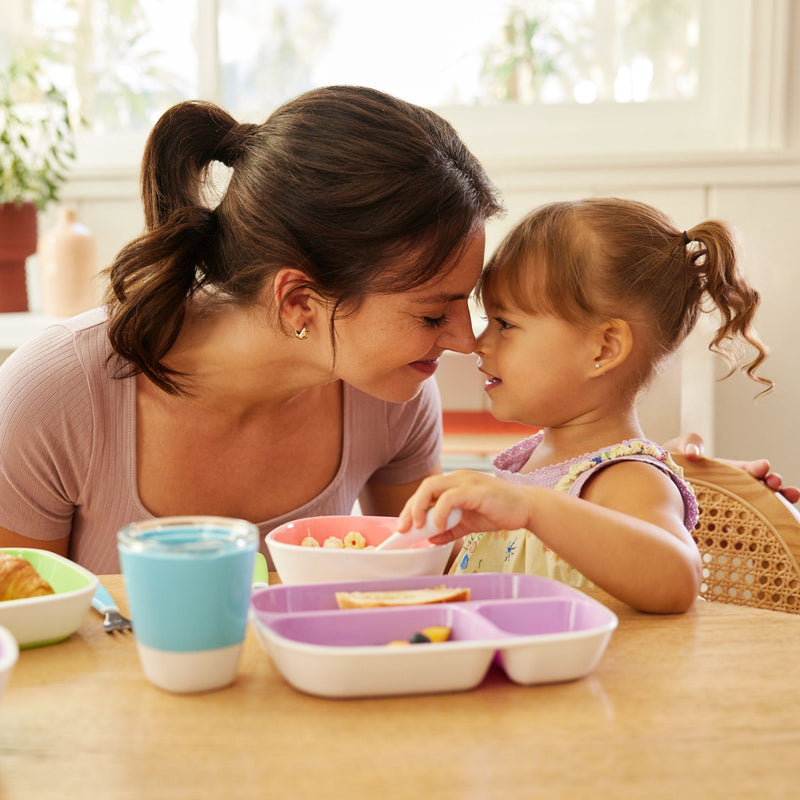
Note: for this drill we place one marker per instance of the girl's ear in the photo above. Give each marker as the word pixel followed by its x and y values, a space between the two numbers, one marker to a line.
pixel 293 298
pixel 613 344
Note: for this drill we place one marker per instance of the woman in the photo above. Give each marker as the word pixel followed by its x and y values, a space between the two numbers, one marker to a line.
pixel 264 359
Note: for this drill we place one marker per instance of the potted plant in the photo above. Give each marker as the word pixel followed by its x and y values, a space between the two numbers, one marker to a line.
pixel 36 145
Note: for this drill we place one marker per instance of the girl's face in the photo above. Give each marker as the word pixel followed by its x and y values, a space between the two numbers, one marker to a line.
pixel 392 343
pixel 535 364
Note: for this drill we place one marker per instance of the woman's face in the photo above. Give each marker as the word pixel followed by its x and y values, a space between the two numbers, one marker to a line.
pixel 392 343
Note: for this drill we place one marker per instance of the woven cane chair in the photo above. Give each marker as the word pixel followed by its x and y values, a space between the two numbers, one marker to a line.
pixel 748 536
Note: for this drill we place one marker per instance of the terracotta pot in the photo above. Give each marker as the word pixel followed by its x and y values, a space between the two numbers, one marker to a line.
pixel 17 242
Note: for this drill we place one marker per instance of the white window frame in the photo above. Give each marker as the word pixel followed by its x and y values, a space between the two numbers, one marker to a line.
pixel 505 136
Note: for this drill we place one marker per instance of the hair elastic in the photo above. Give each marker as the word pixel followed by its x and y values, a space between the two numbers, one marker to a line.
pixel 686 239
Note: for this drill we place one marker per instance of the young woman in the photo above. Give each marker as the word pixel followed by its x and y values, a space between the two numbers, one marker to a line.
pixel 266 358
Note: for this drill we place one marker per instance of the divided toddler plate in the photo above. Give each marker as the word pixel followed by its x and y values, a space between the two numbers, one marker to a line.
pixel 538 631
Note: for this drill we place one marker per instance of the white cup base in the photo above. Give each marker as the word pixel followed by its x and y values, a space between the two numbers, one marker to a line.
pixel 199 671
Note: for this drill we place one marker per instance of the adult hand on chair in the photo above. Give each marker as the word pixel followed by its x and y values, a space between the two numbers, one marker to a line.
pixel 691 445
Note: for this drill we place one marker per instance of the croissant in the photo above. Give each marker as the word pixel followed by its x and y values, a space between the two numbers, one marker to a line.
pixel 18 579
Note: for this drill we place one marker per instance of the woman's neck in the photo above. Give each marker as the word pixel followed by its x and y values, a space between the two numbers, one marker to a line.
pixel 235 360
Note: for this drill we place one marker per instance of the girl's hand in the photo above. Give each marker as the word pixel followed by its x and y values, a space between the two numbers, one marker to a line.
pixel 691 446
pixel 486 504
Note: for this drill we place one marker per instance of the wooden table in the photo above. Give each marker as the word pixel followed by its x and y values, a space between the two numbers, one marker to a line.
pixel 702 705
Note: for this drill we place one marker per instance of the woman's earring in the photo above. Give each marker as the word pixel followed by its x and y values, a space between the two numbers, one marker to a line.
pixel 302 334
pixel 597 366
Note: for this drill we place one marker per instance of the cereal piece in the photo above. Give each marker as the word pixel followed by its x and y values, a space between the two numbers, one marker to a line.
pixel 333 542
pixel 398 643
pixel 309 541
pixel 355 540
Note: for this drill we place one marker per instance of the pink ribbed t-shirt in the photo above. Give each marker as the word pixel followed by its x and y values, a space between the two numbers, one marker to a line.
pixel 68 444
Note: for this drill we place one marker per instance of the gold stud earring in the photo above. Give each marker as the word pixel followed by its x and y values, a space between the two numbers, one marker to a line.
pixel 302 334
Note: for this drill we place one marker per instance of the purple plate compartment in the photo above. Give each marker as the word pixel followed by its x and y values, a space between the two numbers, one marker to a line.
pixel 551 640
pixel 536 629
pixel 346 654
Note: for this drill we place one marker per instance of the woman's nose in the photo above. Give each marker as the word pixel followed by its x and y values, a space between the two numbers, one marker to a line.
pixel 458 335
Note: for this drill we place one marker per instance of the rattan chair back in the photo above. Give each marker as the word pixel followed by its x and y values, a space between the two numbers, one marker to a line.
pixel 748 536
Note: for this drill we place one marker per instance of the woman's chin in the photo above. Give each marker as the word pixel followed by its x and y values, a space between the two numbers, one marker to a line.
pixel 392 391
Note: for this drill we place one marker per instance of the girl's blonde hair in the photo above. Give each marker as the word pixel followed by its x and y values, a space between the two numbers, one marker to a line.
pixel 602 258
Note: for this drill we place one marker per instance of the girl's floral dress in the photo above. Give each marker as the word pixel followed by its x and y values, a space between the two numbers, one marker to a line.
pixel 520 550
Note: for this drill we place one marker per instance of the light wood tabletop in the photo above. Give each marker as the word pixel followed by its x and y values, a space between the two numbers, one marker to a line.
pixel 702 705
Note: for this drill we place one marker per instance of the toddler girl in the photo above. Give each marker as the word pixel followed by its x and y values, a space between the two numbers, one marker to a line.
pixel 584 301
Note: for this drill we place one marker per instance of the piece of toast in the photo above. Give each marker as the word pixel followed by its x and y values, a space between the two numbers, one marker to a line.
pixel 402 597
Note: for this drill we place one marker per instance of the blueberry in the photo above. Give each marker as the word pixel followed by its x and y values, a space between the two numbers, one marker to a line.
pixel 419 638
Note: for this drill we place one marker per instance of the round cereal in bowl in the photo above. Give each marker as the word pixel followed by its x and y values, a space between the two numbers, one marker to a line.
pixel 342 548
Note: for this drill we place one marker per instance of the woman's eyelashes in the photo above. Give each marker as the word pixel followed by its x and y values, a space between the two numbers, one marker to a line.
pixel 435 322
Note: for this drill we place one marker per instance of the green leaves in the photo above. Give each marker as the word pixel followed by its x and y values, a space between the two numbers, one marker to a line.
pixel 37 140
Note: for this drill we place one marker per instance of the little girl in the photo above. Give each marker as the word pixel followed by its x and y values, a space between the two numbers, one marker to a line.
pixel 585 300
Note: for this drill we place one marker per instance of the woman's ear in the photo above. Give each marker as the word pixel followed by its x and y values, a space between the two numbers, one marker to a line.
pixel 293 298
pixel 613 342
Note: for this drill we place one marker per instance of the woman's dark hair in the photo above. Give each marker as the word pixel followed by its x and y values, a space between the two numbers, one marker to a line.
pixel 361 191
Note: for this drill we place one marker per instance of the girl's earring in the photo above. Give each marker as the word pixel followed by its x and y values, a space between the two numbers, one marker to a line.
pixel 597 366
pixel 303 334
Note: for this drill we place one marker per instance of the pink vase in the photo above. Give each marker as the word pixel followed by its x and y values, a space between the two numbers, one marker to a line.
pixel 68 265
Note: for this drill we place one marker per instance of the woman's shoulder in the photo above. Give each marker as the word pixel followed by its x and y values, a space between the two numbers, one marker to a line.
pixel 53 368
pixel 61 339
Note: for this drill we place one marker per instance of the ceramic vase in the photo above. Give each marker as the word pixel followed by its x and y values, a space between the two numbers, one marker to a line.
pixel 68 264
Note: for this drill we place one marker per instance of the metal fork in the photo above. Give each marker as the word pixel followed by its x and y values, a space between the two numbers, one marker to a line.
pixel 113 621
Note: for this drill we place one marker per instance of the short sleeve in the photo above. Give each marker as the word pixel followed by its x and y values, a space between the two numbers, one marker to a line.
pixel 45 436
pixel 415 437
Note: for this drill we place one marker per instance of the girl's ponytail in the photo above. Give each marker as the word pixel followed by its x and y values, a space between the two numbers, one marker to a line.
pixel 713 253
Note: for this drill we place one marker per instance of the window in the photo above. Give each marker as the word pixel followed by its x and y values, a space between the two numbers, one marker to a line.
pixel 518 79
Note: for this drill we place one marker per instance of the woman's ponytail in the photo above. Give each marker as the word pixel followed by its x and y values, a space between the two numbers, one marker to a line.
pixel 153 277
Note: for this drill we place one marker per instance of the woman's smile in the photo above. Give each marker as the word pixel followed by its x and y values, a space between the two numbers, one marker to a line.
pixel 425 367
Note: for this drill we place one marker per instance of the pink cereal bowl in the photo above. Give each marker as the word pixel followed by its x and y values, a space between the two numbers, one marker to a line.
pixel 297 564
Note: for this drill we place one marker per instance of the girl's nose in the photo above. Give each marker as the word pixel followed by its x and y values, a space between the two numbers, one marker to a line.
pixel 457 335
pixel 480 342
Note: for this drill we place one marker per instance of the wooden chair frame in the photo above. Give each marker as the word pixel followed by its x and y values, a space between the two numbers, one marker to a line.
pixel 748 536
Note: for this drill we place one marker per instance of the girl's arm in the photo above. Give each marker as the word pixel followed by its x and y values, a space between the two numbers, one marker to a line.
pixel 626 534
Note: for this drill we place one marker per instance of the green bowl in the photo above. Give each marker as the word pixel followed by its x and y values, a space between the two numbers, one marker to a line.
pixel 36 621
